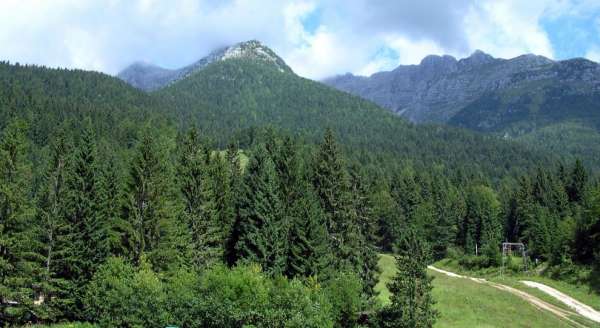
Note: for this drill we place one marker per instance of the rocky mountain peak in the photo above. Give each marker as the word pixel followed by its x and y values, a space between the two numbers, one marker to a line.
pixel 435 63
pixel 150 77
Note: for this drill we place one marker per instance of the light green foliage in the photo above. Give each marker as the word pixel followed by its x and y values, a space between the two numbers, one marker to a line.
pixel 120 295
pixel 244 296
pixel 344 292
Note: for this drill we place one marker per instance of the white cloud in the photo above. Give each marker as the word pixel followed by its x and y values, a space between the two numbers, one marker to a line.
pixel 107 35
pixel 508 28
pixel 593 54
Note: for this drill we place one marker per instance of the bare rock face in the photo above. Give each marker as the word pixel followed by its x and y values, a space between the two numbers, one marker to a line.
pixel 439 87
pixel 149 77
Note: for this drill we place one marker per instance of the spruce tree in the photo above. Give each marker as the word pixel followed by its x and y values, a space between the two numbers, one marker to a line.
pixel 261 228
pixel 227 181
pixel 55 231
pixel 577 183
pixel 411 301
pixel 199 202
pixel 85 231
pixel 332 184
pixel 308 243
pixel 19 252
pixel 367 222
pixel 151 208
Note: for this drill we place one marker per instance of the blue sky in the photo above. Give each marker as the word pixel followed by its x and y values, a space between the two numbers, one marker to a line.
pixel 317 38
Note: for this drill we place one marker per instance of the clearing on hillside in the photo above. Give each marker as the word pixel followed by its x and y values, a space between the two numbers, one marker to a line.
pixel 467 303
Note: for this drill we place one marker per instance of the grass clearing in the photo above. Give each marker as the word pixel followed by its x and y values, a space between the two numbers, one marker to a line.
pixel 465 303
pixel 582 293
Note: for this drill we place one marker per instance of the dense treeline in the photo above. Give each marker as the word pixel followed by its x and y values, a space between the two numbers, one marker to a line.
pixel 180 233
pixel 111 212
pixel 240 93
pixel 254 95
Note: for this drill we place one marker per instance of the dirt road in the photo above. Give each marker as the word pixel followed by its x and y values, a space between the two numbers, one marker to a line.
pixel 538 303
pixel 582 309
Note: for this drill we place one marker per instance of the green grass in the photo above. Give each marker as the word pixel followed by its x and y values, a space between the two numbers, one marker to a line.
pixel 387 265
pixel 465 303
pixel 580 292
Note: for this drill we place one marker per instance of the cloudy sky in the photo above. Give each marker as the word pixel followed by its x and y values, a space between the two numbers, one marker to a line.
pixel 316 38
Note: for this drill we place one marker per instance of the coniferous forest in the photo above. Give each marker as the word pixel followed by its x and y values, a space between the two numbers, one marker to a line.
pixel 120 208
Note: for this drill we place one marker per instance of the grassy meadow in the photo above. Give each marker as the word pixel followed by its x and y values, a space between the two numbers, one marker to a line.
pixel 465 303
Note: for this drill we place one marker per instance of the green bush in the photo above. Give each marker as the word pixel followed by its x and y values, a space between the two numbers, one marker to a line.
pixel 344 293
pixel 244 296
pixel 121 296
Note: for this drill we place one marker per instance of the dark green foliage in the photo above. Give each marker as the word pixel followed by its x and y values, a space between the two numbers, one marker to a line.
pixel 19 261
pixel 411 300
pixel 257 94
pixel 577 183
pixel 367 222
pixel 201 213
pixel 308 253
pixel 150 206
pixel 332 184
pixel 482 223
pixel 261 227
pixel 109 179
pixel 85 230
pixel 55 230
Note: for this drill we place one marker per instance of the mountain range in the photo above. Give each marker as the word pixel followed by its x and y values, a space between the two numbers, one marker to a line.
pixel 441 88
pixel 552 105
pixel 545 104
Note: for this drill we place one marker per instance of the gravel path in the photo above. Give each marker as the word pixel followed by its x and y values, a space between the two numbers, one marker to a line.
pixel 582 309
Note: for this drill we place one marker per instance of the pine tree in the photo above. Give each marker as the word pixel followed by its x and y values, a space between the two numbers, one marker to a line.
pixel 199 202
pixel 411 300
pixel 331 182
pixel 262 230
pixel 367 222
pixel 523 212
pixel 20 259
pixel 109 192
pixel 308 243
pixel 577 183
pixel 55 231
pixel 227 182
pixel 483 217
pixel 85 232
pixel 407 193
pixel 151 209
pixel 449 209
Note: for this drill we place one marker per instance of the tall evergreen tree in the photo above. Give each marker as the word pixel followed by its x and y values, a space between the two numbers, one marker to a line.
pixel 19 252
pixel 199 202
pixel 367 222
pixel 308 243
pixel 332 184
pixel 411 300
pixel 86 232
pixel 262 230
pixel 55 230
pixel 577 182
pixel 151 209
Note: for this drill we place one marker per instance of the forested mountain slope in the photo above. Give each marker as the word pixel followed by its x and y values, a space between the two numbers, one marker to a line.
pixel 524 98
pixel 241 93
pixel 233 94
